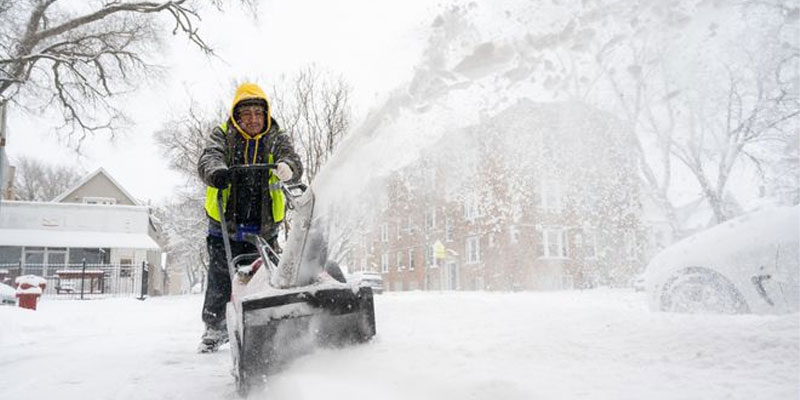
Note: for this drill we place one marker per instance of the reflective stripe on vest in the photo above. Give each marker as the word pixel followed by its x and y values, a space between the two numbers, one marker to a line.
pixel 274 189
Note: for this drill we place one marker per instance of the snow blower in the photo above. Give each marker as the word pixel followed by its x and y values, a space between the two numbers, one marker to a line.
pixel 284 305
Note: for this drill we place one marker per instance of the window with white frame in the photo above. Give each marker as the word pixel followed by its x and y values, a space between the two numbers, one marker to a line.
pixel 589 244
pixel 429 257
pixel 430 219
pixel 384 232
pixel 399 260
pixel 411 259
pixel 550 195
pixel 399 229
pixel 448 229
pixel 471 207
pixel 473 247
pixel 385 262
pixel 409 225
pixel 552 243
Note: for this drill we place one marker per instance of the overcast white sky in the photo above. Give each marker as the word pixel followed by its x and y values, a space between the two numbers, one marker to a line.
pixel 373 44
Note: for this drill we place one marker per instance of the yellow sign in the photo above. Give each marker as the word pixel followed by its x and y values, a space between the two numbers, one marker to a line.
pixel 439 251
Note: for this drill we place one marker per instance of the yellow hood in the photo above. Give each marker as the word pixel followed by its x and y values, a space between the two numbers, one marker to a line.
pixel 247 91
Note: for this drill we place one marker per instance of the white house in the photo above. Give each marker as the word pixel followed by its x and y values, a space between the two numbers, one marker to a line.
pixel 96 222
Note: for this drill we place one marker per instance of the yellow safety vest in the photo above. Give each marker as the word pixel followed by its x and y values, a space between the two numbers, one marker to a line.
pixel 275 193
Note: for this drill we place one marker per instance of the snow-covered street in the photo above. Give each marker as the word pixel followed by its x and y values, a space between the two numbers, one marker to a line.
pixel 600 344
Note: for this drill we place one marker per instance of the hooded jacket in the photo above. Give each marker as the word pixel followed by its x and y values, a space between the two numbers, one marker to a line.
pixel 249 201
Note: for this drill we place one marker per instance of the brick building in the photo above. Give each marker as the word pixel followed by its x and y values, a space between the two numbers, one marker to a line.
pixel 539 197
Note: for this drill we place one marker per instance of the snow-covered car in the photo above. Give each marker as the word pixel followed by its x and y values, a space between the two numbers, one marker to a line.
pixel 746 265
pixel 7 295
pixel 371 279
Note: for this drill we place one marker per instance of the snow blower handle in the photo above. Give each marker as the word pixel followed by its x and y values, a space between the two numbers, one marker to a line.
pixel 292 191
pixel 225 238
pixel 252 167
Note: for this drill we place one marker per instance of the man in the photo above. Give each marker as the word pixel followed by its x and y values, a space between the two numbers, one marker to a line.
pixel 254 202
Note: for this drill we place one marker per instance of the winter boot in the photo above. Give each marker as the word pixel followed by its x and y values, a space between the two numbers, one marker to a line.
pixel 212 339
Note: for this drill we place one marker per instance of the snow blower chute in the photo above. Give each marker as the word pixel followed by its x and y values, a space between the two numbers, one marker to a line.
pixel 284 305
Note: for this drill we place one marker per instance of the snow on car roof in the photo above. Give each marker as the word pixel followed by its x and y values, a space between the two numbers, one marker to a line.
pixel 6 291
pixel 743 233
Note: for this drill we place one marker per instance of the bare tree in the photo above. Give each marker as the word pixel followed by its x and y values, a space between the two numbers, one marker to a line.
pixel 38 181
pixel 76 57
pixel 734 111
pixel 181 140
pixel 718 139
pixel 184 225
pixel 314 108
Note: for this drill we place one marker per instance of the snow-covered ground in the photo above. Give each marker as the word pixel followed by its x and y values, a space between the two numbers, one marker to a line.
pixel 600 344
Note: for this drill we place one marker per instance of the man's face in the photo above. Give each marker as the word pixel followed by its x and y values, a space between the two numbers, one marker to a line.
pixel 251 119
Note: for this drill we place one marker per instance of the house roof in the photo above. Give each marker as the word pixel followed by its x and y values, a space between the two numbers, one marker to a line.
pixel 85 239
pixel 88 178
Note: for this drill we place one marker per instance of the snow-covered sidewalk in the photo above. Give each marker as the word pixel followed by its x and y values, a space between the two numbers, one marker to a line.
pixel 597 344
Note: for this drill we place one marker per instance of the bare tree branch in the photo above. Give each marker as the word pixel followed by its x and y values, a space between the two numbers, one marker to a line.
pixel 81 60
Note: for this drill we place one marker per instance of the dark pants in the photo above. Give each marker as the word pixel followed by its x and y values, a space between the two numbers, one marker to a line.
pixel 218 287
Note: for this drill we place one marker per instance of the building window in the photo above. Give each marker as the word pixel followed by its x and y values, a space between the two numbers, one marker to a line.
pixel 409 225
pixel 385 262
pixel 56 260
pixel 10 254
pixel 471 208
pixel 448 230
pixel 384 232
pixel 473 246
pixel 91 255
pixel 549 196
pixel 399 260
pixel 99 200
pixel 553 243
pixel 399 229
pixel 411 259
pixel 430 219
pixel 589 244
pixel 33 261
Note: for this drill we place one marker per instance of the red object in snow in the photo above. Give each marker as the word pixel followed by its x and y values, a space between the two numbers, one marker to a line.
pixel 28 300
pixel 28 292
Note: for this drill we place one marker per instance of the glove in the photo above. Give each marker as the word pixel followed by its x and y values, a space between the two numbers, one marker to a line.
pixel 283 171
pixel 220 178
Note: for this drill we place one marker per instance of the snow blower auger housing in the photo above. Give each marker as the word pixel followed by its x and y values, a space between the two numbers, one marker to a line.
pixel 283 306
